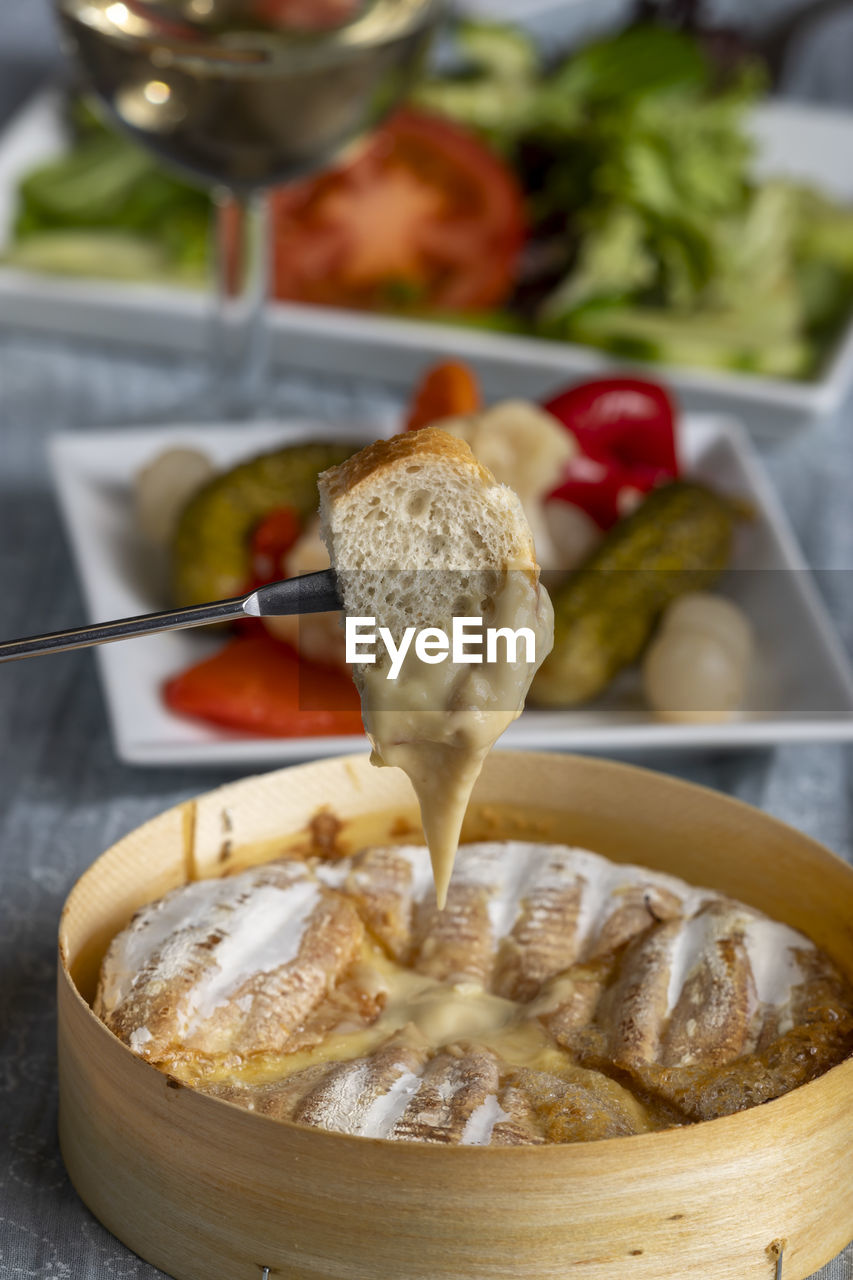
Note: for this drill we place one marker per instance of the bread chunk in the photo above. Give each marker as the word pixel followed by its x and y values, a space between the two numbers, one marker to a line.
pixel 420 534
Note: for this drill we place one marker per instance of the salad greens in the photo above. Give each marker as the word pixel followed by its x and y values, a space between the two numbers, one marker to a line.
pixel 649 236
pixel 642 182
pixel 108 208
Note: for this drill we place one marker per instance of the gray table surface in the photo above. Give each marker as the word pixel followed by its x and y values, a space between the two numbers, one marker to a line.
pixel 63 795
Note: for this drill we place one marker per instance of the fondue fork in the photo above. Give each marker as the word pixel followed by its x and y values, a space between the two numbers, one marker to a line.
pixel 308 593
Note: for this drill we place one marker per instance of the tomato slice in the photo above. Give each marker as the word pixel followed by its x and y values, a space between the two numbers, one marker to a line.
pixel 427 217
pixel 297 15
pixel 305 15
pixel 261 686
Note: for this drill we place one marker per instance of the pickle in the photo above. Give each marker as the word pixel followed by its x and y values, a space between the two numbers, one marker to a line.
pixel 678 540
pixel 211 547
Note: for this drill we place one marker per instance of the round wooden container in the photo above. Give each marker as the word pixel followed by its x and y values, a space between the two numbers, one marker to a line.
pixel 208 1191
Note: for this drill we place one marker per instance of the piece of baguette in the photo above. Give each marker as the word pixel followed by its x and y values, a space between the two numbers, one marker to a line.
pixel 420 502
pixel 419 533
pixel 420 480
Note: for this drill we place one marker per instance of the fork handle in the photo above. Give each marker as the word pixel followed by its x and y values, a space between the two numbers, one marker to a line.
pixel 147 624
pixel 310 593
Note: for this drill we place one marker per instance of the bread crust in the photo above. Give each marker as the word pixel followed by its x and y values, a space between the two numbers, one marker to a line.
pixel 428 444
pixel 380 461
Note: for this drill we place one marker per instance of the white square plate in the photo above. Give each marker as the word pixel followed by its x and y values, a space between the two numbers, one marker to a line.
pixel 802 686
pixel 803 142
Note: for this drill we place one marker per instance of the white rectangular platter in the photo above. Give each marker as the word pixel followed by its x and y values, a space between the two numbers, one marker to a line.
pixel 802 686
pixel 800 141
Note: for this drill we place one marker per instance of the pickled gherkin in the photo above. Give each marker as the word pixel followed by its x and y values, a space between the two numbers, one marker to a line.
pixel 211 547
pixel 678 540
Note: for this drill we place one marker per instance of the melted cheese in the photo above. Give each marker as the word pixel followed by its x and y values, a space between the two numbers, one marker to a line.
pixel 433 1013
pixel 438 722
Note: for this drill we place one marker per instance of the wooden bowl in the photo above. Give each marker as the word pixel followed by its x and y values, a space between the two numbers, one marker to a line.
pixel 208 1191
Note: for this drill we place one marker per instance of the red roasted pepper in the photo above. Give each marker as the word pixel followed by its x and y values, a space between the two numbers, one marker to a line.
pixel 268 548
pixel 625 429
pixel 260 686
pixel 271 541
